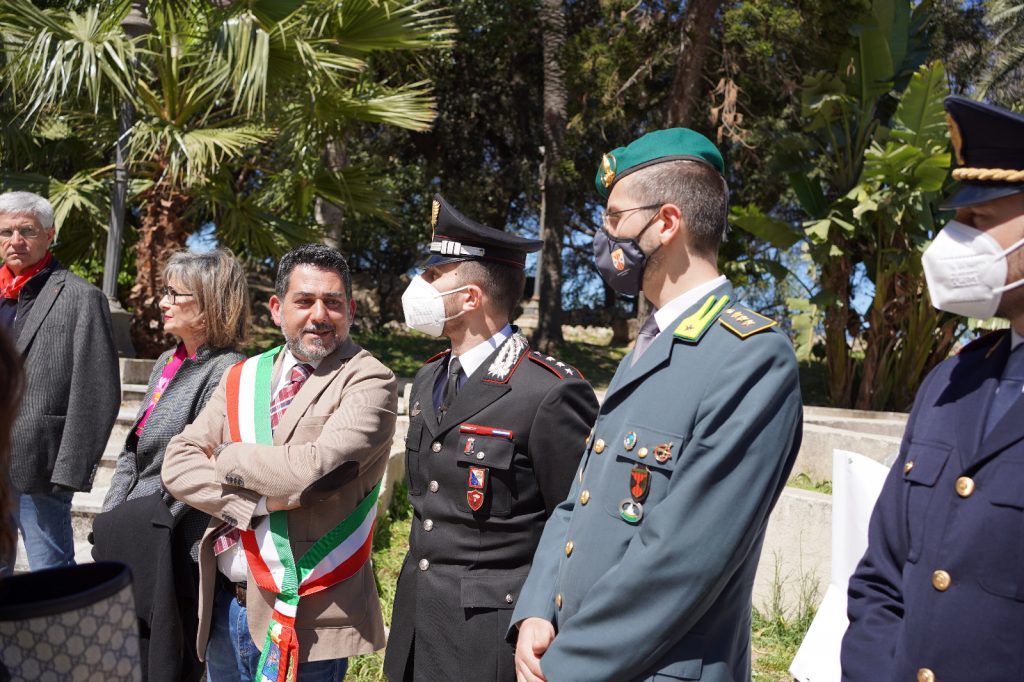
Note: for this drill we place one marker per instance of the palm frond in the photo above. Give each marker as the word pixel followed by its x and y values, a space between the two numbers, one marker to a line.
pixel 189 157
pixel 60 56
pixel 361 26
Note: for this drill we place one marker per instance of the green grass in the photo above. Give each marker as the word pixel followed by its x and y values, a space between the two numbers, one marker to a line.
pixel 804 482
pixel 390 544
pixel 776 634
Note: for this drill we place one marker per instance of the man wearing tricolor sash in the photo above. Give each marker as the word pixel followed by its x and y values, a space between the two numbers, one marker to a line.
pixel 288 458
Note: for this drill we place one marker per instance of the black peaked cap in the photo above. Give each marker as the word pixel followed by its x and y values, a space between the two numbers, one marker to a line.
pixel 989 145
pixel 457 238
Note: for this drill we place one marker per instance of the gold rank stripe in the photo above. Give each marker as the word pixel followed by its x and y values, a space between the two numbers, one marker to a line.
pixel 743 322
pixel 694 326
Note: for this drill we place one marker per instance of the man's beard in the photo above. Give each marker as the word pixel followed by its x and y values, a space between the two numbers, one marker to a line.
pixel 316 350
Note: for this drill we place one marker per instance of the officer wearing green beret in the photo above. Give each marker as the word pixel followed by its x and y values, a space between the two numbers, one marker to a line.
pixel 646 570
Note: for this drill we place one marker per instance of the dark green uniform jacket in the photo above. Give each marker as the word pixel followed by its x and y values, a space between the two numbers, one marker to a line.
pixel 647 569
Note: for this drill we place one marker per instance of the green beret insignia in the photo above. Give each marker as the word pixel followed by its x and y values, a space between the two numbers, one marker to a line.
pixel 672 144
pixel 607 170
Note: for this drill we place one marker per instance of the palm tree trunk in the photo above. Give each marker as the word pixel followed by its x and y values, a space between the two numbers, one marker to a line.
pixel 693 49
pixel 548 334
pixel 162 231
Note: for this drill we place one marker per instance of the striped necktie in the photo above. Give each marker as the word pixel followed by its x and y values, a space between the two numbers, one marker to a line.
pixel 1009 390
pixel 284 397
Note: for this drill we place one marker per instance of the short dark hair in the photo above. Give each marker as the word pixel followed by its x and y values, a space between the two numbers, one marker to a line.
pixel 503 284
pixel 699 191
pixel 319 256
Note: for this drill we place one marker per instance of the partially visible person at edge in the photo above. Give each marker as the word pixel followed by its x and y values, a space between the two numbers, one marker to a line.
pixel 646 571
pixel 205 306
pixel 493 443
pixel 939 593
pixel 10 394
pixel 61 326
pixel 303 429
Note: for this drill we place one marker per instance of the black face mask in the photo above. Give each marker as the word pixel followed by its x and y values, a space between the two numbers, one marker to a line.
pixel 621 262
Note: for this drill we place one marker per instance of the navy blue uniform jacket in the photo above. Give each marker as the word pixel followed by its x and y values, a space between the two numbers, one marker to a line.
pixel 939 594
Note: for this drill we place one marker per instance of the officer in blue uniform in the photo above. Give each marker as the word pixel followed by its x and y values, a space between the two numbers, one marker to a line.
pixel 494 438
pixel 939 594
pixel 646 570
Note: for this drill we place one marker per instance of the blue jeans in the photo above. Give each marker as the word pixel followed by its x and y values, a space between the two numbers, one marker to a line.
pixel 232 656
pixel 45 524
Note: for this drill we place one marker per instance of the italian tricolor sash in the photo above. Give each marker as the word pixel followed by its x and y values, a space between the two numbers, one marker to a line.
pixel 335 557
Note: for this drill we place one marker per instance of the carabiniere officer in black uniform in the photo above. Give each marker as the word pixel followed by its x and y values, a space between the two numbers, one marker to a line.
pixel 495 437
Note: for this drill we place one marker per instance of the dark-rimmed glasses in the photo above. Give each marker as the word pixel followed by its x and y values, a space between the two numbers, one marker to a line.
pixel 611 218
pixel 174 295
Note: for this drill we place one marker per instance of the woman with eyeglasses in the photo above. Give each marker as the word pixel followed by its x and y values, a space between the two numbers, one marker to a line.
pixel 205 306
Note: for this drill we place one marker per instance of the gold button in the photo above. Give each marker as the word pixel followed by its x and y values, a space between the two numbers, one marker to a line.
pixel 584 497
pixel 436 446
pixel 941 581
pixel 965 486
pixel 568 548
pixel 558 600
pixel 925 675
pixel 599 446
pixel 641 453
pixel 908 466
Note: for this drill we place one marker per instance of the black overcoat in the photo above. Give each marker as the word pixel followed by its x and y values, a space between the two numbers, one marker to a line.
pixel 509 445
pixel 939 594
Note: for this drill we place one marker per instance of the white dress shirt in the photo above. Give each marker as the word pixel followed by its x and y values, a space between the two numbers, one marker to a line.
pixel 471 361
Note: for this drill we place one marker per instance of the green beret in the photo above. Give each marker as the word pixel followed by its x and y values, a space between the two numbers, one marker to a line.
pixel 672 144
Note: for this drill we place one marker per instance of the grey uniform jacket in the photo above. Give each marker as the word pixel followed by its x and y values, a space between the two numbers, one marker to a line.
pixel 72 383
pixel 709 419
pixel 138 466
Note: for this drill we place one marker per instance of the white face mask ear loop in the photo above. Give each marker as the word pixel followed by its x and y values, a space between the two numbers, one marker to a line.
pixel 1012 285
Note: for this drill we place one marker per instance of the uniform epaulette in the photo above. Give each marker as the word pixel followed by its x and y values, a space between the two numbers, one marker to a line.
pixel 988 340
pixel 554 365
pixel 744 322
pixel 692 328
pixel 429 360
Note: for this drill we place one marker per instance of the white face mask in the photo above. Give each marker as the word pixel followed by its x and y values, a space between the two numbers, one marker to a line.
pixel 424 306
pixel 966 271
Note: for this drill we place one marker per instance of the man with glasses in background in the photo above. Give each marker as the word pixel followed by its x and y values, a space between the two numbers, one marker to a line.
pixel 61 326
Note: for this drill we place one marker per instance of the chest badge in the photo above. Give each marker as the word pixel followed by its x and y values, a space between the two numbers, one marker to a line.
pixel 469 446
pixel 663 452
pixel 477 485
pixel 639 482
pixel 629 442
pixel 631 511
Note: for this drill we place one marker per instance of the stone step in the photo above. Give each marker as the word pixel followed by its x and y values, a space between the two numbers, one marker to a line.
pixel 132 396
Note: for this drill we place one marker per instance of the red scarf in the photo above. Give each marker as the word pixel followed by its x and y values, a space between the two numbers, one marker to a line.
pixel 11 284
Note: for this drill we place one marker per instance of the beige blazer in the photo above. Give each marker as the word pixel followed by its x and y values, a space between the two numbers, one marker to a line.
pixel 330 449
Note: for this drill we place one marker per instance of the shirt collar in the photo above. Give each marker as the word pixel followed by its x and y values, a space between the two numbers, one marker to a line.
pixel 289 361
pixel 1015 338
pixel 475 356
pixel 668 313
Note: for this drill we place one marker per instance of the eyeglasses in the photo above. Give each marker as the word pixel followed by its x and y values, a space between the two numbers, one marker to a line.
pixel 174 295
pixel 26 232
pixel 611 218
